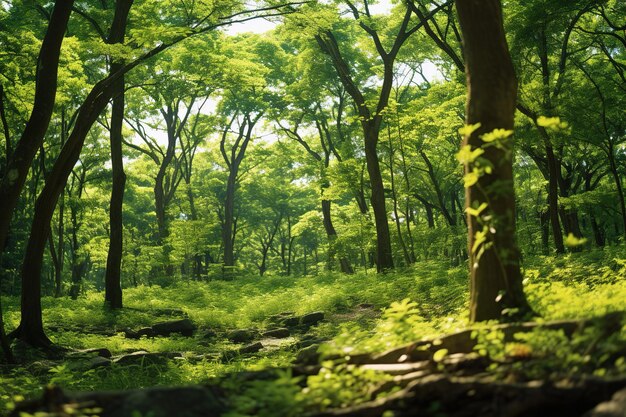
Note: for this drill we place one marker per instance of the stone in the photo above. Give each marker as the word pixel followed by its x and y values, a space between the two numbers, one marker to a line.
pixel 99 362
pixel 398 368
pixel 101 352
pixel 145 357
pixel 242 335
pixel 184 327
pixel 313 318
pixel 279 333
pixel 290 321
pixel 308 355
pixel 616 407
pixel 277 318
pixel 137 334
pixel 251 348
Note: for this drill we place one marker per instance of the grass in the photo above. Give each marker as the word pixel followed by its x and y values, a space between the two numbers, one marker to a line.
pixel 427 299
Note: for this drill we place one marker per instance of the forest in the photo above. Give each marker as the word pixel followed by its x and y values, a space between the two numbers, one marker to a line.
pixel 312 208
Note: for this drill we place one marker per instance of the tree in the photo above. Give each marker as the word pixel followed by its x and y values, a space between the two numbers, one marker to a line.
pixel 112 279
pixel 495 277
pixel 371 117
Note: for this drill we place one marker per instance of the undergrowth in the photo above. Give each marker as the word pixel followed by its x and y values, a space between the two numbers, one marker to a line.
pixel 426 300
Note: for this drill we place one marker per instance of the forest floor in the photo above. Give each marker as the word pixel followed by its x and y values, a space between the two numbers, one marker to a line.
pixel 332 345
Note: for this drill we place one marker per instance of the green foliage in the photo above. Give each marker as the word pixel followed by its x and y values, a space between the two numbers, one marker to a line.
pixel 341 385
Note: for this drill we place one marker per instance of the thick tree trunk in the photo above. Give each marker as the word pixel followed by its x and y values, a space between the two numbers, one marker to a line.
pixel 112 277
pixel 4 342
pixel 495 277
pixel 37 125
pixel 31 327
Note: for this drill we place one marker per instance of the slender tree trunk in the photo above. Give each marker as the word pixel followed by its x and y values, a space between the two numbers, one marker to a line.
pixel 45 93
pixel 112 277
pixel 553 193
pixel 598 235
pixel 331 234
pixel 495 278
pixel 229 214
pixel 394 196
pixel 433 179
pixel 58 255
pixel 618 186
pixel 384 258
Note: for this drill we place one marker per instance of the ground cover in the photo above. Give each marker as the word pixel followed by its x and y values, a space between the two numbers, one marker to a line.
pixel 351 319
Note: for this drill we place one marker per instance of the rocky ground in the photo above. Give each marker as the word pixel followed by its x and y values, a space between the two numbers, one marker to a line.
pixel 424 382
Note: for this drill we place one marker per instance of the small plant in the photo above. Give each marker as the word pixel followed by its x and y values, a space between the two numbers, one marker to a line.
pixel 341 385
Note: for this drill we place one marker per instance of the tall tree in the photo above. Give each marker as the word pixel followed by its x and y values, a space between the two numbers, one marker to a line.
pixel 112 277
pixel 495 277
pixel 30 328
pixel 371 117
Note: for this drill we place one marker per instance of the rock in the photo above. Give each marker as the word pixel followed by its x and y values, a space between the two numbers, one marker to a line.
pixel 616 407
pixel 99 362
pixel 279 333
pixel 137 334
pixel 242 335
pixel 229 355
pixel 399 368
pixel 290 321
pixel 184 327
pixel 277 318
pixel 101 352
pixel 193 401
pixel 308 355
pixel 311 319
pixel 142 356
pixel 251 348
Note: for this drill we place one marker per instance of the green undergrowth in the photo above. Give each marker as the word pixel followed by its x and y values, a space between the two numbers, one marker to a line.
pixel 427 300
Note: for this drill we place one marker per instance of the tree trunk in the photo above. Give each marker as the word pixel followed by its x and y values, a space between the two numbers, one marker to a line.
pixel 553 193
pixel 598 234
pixel 384 258
pixel 37 125
pixel 30 329
pixel 4 342
pixel 331 233
pixel 229 214
pixel 495 277
pixel 394 196
pixel 618 186
pixel 112 277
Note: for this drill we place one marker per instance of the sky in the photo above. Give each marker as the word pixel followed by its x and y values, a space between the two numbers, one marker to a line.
pixel 263 25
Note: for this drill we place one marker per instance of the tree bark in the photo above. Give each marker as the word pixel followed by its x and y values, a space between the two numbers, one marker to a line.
pixel 30 328
pixel 331 234
pixel 112 277
pixel 495 277
pixel 45 93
